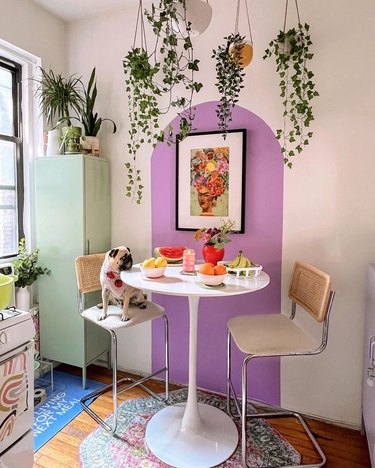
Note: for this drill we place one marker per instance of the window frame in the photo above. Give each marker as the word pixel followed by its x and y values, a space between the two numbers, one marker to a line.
pixel 16 70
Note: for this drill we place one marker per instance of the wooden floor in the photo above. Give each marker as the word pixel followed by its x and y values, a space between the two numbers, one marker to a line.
pixel 344 448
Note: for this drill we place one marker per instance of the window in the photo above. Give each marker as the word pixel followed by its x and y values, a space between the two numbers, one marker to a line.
pixel 11 167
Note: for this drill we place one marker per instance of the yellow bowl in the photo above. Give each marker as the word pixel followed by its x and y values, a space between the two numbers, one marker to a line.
pixel 6 287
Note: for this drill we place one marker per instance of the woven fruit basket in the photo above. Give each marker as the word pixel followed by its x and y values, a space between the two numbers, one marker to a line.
pixel 251 272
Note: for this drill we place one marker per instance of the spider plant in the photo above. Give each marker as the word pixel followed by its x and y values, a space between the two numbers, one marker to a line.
pixel 57 95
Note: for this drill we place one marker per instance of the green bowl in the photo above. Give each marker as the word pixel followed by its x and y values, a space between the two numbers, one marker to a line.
pixel 6 287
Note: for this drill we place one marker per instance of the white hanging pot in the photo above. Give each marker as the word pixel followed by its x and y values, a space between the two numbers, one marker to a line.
pixel 53 142
pixel 198 13
pixel 23 298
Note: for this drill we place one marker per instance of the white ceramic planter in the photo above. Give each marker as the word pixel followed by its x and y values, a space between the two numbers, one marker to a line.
pixel 23 297
pixel 53 142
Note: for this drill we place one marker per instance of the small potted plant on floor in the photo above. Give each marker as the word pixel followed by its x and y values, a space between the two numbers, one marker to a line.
pixel 27 270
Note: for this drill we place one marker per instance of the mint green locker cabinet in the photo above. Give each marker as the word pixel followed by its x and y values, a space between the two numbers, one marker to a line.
pixel 73 209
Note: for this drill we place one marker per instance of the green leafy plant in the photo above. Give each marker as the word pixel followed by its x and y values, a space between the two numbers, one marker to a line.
pixel 152 80
pixel 229 77
pixel 291 50
pixel 57 95
pixel 89 120
pixel 26 266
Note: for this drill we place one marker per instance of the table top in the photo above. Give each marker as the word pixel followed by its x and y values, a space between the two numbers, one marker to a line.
pixel 176 284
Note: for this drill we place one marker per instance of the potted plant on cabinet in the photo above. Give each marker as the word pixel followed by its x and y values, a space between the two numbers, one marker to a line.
pixel 88 118
pixel 57 97
pixel 27 270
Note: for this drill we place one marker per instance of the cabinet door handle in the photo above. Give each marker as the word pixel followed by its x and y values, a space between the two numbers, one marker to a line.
pixel 88 249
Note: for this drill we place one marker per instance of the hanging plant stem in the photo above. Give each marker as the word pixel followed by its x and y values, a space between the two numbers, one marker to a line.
pixel 143 112
pixel 152 79
pixel 291 50
pixel 229 77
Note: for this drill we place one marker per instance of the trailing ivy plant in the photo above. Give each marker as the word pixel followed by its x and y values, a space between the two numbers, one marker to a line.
pixel 152 80
pixel 291 50
pixel 143 112
pixel 229 77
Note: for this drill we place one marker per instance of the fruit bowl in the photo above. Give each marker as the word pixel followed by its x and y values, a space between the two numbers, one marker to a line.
pixel 246 272
pixel 153 272
pixel 211 280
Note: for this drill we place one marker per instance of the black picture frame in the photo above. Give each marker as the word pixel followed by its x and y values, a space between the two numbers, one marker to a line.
pixel 195 178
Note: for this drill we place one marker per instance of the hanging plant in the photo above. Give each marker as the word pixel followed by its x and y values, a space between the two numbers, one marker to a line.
pixel 231 58
pixel 229 78
pixel 152 79
pixel 291 50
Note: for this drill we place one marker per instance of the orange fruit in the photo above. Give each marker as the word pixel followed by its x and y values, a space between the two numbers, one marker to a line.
pixel 207 269
pixel 220 270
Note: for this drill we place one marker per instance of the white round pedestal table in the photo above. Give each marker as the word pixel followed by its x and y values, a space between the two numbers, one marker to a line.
pixel 192 434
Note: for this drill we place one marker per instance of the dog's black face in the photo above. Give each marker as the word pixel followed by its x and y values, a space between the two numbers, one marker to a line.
pixel 121 259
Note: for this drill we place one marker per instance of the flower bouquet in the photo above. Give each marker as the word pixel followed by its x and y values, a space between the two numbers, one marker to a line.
pixel 214 239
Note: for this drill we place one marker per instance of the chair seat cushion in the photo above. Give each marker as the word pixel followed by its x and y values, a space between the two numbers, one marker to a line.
pixel 267 335
pixel 113 320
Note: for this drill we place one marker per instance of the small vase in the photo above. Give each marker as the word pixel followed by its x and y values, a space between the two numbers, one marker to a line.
pixel 23 298
pixel 211 254
pixel 53 144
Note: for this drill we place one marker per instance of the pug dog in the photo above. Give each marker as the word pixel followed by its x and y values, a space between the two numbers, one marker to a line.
pixel 116 261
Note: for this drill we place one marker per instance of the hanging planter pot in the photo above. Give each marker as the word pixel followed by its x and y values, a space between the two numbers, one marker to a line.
pixel 242 51
pixel 231 58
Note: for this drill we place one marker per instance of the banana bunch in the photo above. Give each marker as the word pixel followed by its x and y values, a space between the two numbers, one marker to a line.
pixel 240 261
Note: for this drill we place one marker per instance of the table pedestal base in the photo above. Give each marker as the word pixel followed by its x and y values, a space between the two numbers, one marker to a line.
pixel 211 444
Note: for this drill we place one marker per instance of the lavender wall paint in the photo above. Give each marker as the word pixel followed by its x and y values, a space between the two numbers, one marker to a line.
pixel 262 242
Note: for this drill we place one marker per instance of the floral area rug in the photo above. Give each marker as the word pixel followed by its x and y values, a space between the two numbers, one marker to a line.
pixel 127 449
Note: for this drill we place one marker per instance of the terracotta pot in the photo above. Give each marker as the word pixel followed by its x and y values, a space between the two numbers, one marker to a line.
pixel 211 254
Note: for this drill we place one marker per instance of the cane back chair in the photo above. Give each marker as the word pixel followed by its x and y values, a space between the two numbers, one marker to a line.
pixel 278 335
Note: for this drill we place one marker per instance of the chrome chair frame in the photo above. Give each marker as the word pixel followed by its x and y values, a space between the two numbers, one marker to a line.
pixel 116 384
pixel 241 408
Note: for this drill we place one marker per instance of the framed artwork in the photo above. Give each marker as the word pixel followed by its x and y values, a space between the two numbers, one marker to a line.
pixel 210 180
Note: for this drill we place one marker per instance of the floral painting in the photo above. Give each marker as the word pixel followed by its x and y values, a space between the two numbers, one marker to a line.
pixel 210 179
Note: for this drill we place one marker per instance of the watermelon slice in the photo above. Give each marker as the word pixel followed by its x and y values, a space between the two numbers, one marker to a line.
pixel 172 253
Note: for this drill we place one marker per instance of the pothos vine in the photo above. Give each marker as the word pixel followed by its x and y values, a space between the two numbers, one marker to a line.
pixel 152 78
pixel 291 50
pixel 229 77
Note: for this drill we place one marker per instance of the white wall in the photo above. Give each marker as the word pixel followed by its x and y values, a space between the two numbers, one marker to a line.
pixel 33 29
pixel 329 195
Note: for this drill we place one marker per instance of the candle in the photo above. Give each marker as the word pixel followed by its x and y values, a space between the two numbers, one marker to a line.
pixel 188 260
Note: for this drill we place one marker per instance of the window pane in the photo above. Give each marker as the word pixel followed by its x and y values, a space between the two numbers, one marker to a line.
pixel 6 103
pixel 8 203
pixel 7 163
pixel 8 223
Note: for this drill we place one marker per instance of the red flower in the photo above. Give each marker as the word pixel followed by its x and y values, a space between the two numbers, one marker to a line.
pixel 118 283
pixel 110 275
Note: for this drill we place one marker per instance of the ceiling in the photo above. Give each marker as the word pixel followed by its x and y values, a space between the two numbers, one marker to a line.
pixel 69 10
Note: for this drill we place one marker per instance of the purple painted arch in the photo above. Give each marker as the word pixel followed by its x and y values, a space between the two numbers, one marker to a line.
pixel 262 242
